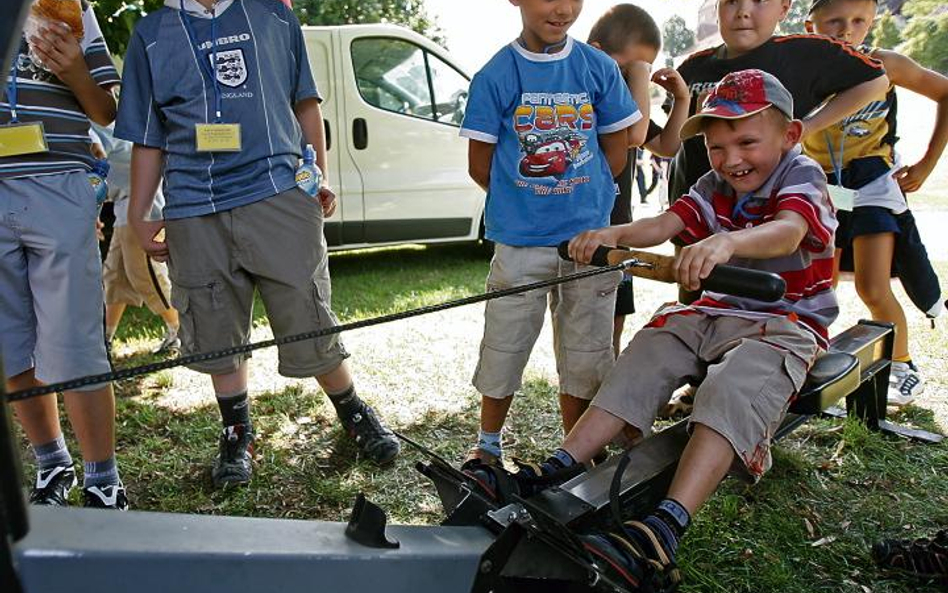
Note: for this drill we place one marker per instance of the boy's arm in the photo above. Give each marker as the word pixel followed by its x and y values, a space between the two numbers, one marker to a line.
pixel 479 156
pixel 844 104
pixel 61 54
pixel 906 73
pixel 668 142
pixel 310 116
pixel 615 147
pixel 637 78
pixel 779 237
pixel 645 232
pixel 147 163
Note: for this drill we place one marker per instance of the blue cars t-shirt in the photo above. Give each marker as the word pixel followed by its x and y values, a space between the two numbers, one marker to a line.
pixel 262 71
pixel 544 112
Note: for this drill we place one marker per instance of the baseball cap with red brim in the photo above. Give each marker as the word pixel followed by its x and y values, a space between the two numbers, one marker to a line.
pixel 738 95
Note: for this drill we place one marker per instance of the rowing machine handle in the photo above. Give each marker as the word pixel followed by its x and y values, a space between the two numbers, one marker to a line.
pixel 600 257
pixel 742 282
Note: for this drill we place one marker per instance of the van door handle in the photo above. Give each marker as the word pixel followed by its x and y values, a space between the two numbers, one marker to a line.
pixel 328 134
pixel 360 133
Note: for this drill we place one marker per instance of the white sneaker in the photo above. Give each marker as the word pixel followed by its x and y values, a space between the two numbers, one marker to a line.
pixel 905 384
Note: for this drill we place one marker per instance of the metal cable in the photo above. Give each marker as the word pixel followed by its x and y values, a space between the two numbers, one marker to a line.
pixel 146 369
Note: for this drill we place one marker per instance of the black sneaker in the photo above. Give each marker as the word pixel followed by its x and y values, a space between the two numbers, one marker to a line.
pixel 53 486
pixel 233 464
pixel 111 497
pixel 374 440
pixel 923 558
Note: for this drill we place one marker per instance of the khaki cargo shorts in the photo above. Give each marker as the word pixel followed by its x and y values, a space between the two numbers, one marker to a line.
pixel 133 278
pixel 275 246
pixel 582 314
pixel 749 369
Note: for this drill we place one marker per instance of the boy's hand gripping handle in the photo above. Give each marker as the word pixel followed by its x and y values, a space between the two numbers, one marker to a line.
pixel 753 284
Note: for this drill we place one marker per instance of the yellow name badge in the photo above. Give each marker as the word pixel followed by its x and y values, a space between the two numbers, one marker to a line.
pixel 843 198
pixel 217 137
pixel 17 139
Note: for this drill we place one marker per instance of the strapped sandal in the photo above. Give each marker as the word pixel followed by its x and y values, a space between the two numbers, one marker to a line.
pixel 922 558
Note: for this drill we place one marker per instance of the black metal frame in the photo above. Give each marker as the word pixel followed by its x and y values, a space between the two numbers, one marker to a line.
pixel 13 517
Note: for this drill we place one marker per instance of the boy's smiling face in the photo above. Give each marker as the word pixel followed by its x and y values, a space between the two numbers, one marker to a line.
pixel 747 24
pixel 545 22
pixel 845 20
pixel 744 152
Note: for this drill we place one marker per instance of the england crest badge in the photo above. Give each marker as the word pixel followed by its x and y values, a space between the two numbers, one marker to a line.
pixel 231 67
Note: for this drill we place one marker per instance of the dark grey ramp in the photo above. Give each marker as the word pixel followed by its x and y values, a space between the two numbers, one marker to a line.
pixel 79 550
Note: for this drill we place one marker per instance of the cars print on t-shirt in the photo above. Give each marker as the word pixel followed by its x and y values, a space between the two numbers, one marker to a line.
pixel 553 130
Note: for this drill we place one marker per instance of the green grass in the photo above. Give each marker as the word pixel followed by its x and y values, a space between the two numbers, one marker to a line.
pixel 830 480
pixel 832 483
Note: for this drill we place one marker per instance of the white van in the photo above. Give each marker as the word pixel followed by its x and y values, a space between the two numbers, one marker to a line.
pixel 393 105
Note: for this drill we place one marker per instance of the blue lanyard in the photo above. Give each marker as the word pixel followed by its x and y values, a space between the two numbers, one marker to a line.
pixel 837 164
pixel 11 93
pixel 205 69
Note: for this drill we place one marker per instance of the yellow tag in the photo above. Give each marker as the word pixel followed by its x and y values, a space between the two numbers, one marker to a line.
pixel 217 137
pixel 17 139
pixel 843 198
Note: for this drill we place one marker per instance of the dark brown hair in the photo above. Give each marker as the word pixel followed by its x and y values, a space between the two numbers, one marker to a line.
pixel 622 25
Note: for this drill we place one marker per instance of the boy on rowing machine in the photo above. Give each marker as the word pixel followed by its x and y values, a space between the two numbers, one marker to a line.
pixel 763 206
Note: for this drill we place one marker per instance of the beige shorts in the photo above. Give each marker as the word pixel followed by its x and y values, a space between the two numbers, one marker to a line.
pixel 748 368
pixel 582 314
pixel 133 278
pixel 275 246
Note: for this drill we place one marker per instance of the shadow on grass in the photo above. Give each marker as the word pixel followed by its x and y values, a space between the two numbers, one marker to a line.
pixel 368 283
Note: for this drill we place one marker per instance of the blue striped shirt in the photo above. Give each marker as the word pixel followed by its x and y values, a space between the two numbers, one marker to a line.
pixel 42 97
pixel 262 72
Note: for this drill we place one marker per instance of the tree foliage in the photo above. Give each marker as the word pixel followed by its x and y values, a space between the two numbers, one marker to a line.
pixel 677 38
pixel 885 31
pixel 408 13
pixel 117 17
pixel 926 40
pixel 794 22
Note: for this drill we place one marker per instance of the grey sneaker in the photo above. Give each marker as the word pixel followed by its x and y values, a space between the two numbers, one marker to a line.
pixel 170 343
pixel 233 466
pixel 374 440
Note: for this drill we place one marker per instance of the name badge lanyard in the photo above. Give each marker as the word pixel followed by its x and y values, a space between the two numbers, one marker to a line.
pixel 11 94
pixel 205 69
pixel 837 163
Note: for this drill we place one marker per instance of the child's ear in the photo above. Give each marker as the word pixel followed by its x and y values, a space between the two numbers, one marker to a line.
pixel 595 44
pixel 785 8
pixel 793 134
pixel 808 25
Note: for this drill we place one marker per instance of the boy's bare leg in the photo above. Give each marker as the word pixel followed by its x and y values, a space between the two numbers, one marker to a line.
pixel 92 416
pixel 231 383
pixel 872 258
pixel 571 409
pixel 617 334
pixel 336 380
pixel 113 316
pixel 595 429
pixel 493 415
pixel 170 317
pixel 39 416
pixel 703 465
